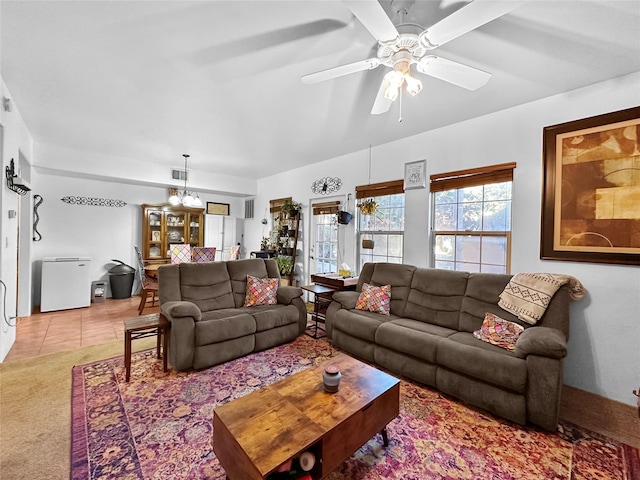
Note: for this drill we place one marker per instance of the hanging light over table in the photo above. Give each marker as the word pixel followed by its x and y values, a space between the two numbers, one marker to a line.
pixel 186 198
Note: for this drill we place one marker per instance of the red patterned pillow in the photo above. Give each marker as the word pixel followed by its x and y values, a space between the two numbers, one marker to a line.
pixel 261 291
pixel 375 299
pixel 498 331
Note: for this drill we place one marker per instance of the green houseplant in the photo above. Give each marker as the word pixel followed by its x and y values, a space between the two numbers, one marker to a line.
pixel 290 207
pixel 285 265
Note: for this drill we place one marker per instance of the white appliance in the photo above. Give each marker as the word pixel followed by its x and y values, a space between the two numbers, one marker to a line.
pixel 223 232
pixel 66 283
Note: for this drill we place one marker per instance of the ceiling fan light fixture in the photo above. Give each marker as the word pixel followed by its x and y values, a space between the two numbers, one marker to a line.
pixel 395 78
pixel 414 86
pixel 391 92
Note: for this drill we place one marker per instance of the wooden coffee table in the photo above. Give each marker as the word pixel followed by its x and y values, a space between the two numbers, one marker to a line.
pixel 255 434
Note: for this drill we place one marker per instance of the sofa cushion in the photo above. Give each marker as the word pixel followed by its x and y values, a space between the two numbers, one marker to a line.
pixel 482 295
pixel 412 337
pixel 463 353
pixel 238 271
pixel 499 332
pixel 261 291
pixel 375 299
pixel 394 274
pixel 221 329
pixel 358 323
pixel 436 296
pixel 206 284
pixel 277 316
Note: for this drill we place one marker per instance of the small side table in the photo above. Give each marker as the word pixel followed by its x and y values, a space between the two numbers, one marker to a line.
pixel 321 294
pixel 141 327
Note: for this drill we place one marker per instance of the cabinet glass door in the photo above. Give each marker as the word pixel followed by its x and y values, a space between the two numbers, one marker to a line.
pixel 175 228
pixel 154 242
pixel 195 229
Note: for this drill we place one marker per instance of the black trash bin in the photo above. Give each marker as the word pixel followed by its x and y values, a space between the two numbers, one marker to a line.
pixel 121 279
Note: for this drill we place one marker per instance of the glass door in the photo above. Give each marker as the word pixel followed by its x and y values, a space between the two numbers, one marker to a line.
pixel 155 241
pixel 175 229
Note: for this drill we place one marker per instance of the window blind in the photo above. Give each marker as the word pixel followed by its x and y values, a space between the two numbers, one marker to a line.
pixel 325 208
pixel 379 189
pixel 276 205
pixel 472 177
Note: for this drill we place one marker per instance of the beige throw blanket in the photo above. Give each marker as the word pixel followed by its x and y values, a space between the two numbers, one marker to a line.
pixel 527 295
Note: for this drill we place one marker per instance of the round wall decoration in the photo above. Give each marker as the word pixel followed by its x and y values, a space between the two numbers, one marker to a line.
pixel 326 185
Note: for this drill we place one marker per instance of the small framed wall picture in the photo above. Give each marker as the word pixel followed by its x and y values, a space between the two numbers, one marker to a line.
pixel 415 174
pixel 214 208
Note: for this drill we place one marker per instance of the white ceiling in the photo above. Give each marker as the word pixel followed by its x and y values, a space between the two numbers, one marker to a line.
pixel 221 79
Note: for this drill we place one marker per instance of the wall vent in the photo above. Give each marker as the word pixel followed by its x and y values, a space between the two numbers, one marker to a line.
pixel 248 208
pixel 178 174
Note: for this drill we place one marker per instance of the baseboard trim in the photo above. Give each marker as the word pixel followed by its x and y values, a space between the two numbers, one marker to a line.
pixel 601 415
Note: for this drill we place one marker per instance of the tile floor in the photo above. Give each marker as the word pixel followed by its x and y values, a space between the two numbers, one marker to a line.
pixel 51 332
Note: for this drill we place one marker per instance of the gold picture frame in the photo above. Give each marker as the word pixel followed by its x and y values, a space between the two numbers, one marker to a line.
pixel 591 189
pixel 214 208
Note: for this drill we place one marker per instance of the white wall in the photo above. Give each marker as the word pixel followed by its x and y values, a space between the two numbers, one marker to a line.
pixel 603 354
pixel 16 144
pixel 101 233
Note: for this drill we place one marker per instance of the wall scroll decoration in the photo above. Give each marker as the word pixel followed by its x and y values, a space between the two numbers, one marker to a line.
pixel 93 202
pixel 37 201
pixel 415 174
pixel 326 185
pixel 591 189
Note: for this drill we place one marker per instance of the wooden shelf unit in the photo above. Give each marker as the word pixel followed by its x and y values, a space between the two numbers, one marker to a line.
pixel 165 224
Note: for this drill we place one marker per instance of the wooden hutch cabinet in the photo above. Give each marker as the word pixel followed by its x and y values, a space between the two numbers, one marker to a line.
pixel 164 224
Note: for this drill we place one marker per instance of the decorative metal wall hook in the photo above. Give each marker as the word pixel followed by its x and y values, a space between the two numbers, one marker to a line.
pixel 37 201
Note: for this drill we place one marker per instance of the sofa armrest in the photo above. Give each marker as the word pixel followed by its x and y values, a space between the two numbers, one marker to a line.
pixel 347 299
pixel 542 341
pixel 287 293
pixel 179 309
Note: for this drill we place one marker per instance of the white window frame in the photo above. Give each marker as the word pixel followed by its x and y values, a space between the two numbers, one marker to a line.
pixel 378 234
pixel 466 265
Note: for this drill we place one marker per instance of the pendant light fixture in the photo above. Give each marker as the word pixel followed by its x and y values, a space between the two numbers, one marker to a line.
pixel 186 198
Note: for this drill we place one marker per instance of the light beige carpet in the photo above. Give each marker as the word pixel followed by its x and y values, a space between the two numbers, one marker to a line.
pixel 35 410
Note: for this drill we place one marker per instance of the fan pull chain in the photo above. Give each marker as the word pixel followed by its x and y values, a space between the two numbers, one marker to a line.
pixel 400 111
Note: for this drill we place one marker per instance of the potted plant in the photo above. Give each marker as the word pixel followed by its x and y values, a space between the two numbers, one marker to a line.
pixel 368 206
pixel 285 265
pixel 264 244
pixel 290 207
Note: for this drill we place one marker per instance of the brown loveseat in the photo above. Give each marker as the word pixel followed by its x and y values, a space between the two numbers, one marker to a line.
pixel 209 325
pixel 429 337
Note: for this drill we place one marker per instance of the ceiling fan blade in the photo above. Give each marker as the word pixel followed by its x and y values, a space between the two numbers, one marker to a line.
pixel 374 19
pixel 469 17
pixel 453 72
pixel 381 104
pixel 368 64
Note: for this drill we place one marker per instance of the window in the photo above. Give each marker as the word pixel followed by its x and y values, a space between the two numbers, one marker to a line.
pixel 385 227
pixel 472 219
pixel 326 237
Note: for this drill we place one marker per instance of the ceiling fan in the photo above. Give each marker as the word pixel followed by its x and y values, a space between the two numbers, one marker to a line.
pixel 401 50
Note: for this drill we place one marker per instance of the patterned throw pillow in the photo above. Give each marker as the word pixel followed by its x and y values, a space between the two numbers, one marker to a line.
pixel 261 291
pixel 375 299
pixel 498 331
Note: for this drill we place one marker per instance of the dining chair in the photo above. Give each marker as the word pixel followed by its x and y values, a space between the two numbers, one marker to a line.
pixel 234 253
pixel 180 252
pixel 148 285
pixel 203 254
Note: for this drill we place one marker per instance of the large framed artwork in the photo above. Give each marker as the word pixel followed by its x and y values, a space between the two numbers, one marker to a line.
pixel 591 189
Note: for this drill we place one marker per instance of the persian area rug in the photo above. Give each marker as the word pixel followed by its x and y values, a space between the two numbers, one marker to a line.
pixel 159 426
